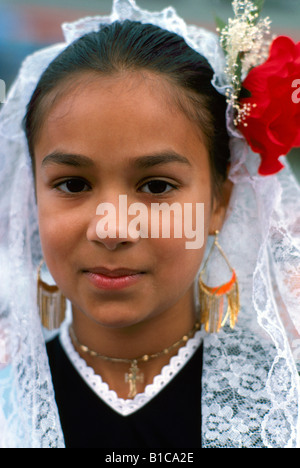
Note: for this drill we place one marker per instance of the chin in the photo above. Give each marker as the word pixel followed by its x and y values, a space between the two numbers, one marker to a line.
pixel 116 319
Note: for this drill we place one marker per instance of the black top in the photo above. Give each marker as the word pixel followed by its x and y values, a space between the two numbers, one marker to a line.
pixel 172 419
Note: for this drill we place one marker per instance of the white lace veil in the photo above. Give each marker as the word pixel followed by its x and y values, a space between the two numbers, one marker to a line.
pixel 250 381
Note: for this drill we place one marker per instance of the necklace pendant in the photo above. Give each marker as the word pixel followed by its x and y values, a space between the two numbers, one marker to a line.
pixel 132 377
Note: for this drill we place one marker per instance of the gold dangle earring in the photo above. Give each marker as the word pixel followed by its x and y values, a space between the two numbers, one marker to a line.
pixel 212 298
pixel 51 303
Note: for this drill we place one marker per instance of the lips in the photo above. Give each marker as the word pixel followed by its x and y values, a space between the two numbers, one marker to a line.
pixel 115 273
pixel 113 279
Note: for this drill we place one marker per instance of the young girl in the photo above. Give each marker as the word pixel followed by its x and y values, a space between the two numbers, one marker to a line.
pixel 134 107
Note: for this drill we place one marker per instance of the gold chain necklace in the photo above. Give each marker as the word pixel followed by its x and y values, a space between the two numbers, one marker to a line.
pixel 134 375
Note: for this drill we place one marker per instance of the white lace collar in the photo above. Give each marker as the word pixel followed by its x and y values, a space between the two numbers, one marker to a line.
pixel 121 406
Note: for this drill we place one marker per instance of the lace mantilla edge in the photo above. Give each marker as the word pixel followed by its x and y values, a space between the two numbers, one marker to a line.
pixel 102 390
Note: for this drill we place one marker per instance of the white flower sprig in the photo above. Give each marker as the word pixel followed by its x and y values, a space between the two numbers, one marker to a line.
pixel 245 43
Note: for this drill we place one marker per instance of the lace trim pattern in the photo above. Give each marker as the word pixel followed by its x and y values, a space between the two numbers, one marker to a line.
pixel 101 388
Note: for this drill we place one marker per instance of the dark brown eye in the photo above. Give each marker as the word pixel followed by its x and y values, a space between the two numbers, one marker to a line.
pixel 73 186
pixel 157 187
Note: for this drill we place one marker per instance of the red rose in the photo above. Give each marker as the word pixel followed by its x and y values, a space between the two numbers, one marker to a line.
pixel 273 126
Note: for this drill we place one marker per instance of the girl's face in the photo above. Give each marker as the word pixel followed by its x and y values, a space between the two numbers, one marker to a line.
pixel 112 136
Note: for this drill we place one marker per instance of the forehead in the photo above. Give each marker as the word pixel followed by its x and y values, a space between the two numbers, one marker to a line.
pixel 113 116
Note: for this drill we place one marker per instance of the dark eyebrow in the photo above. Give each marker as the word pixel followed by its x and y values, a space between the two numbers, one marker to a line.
pixel 75 160
pixel 141 162
pixel 144 162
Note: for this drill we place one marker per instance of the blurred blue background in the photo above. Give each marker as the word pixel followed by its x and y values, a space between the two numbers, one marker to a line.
pixel 26 26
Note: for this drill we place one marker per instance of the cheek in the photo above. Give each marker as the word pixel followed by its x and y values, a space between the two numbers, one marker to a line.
pixel 178 259
pixel 176 266
pixel 60 233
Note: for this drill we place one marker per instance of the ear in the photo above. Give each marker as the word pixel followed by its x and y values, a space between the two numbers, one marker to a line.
pixel 219 207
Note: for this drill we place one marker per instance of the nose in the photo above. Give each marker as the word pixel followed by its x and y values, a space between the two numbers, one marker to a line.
pixel 109 225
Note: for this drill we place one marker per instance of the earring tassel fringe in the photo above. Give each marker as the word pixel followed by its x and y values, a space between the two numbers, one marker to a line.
pixel 212 305
pixel 52 305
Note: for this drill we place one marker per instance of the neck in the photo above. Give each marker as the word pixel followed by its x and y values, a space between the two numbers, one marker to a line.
pixel 129 343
